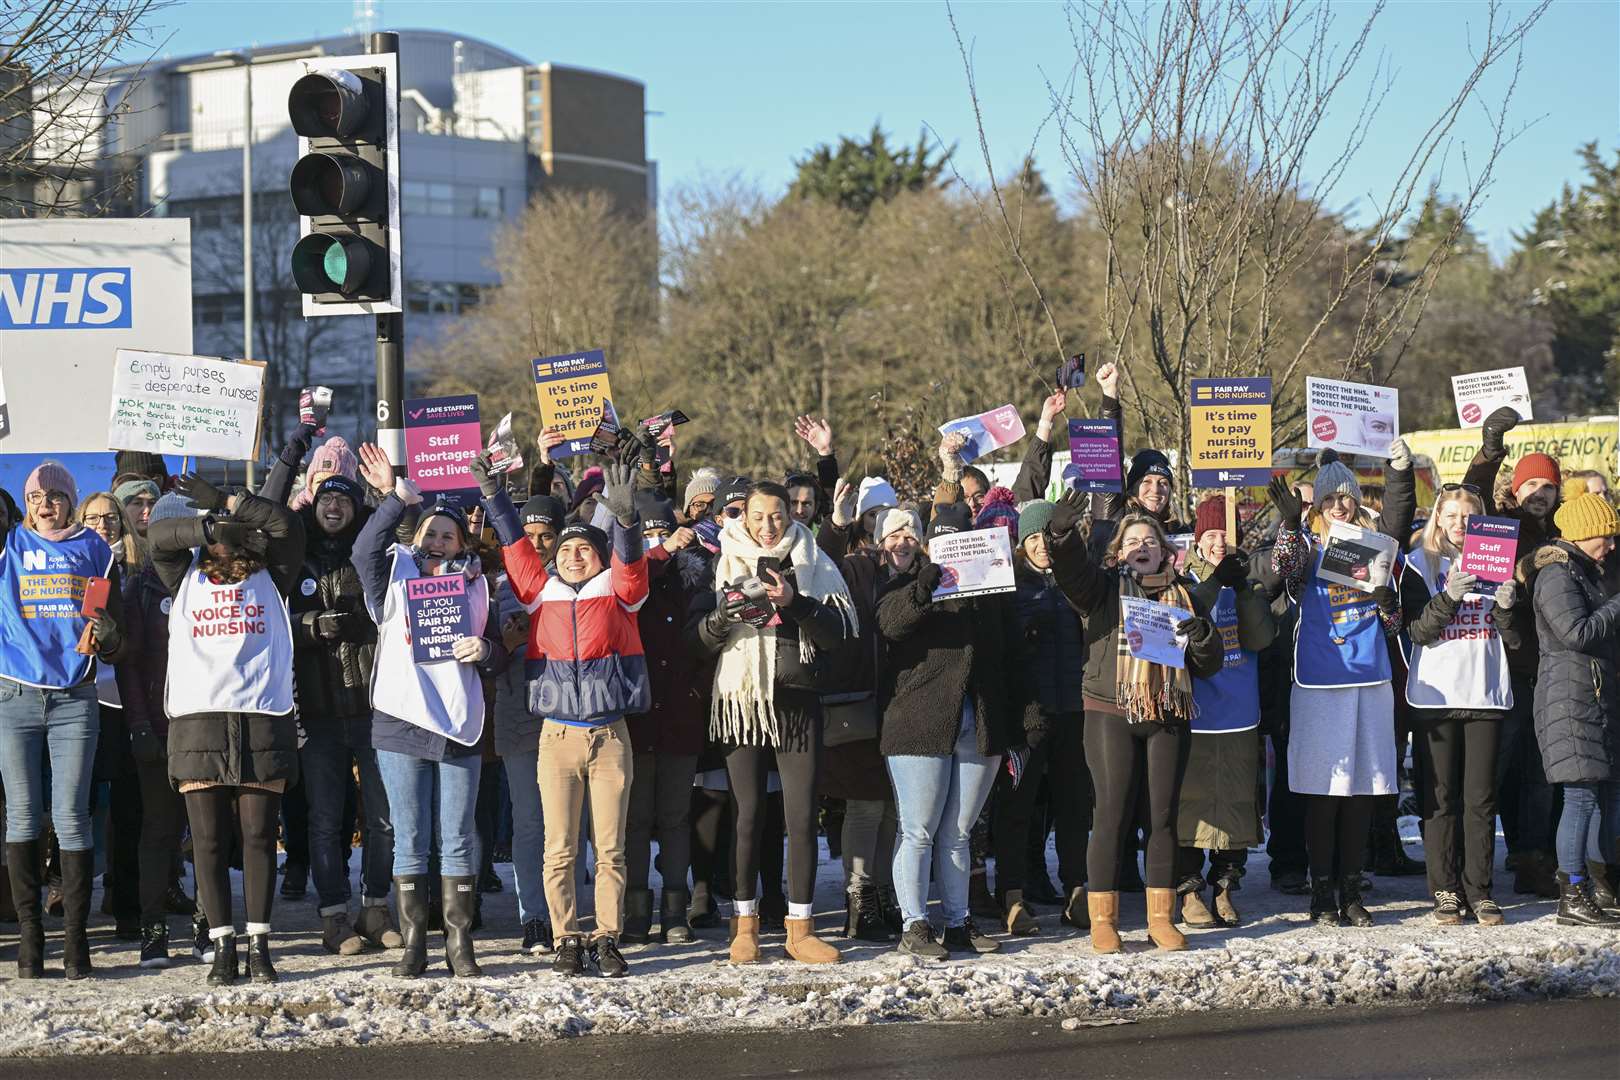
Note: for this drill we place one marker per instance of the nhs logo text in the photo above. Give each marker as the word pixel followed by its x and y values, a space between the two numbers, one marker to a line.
pixel 65 298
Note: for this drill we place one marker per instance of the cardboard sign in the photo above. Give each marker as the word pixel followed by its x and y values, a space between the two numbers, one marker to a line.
pixel 575 398
pixel 975 563
pixel 1359 558
pixel 439 615
pixel 1480 393
pixel 1581 444
pixel 1352 418
pixel 1150 630
pixel 441 437
pixel 986 432
pixel 198 406
pixel 1491 545
pixel 1094 451
pixel 1231 432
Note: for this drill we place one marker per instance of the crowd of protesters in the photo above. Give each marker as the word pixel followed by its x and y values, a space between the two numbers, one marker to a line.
pixel 723 669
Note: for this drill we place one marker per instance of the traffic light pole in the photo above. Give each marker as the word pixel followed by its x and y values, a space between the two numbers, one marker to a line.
pixel 390 338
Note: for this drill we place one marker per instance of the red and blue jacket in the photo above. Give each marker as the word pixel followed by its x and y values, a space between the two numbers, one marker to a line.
pixel 585 662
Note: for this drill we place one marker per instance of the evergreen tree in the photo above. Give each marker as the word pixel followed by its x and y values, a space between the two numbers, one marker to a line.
pixel 857 175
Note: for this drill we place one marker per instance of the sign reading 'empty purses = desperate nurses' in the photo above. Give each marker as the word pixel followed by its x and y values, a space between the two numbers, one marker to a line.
pixel 1352 418
pixel 201 406
pixel 1231 432
pixel 574 397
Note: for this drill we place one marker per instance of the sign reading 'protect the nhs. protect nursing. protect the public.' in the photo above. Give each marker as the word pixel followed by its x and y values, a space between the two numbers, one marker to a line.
pixel 1231 432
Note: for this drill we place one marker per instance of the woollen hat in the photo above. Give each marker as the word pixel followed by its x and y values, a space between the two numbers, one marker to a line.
pixel 51 476
pixel 1033 517
pixel 1574 487
pixel 1334 478
pixel 656 511
pixel 1586 517
pixel 1536 467
pixel 338 484
pixel 172 505
pixel 543 510
pixel 876 493
pixel 1144 463
pixel 705 481
pixel 732 489
pixel 950 518
pixel 1211 514
pixel 1000 508
pixel 131 489
pixel 590 534
pixel 896 520
pixel 142 463
pixel 334 457
pixel 590 484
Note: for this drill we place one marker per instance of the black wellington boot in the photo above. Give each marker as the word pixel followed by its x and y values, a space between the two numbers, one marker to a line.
pixel 23 870
pixel 78 874
pixel 459 895
pixel 412 899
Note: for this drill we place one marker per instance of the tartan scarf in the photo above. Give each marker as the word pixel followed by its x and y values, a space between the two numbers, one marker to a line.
pixel 1150 692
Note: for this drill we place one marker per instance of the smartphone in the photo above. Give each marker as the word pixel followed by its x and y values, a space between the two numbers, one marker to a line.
pixel 97 591
pixel 768 565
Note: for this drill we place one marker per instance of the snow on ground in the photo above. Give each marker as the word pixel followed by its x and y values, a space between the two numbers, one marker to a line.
pixel 1275 960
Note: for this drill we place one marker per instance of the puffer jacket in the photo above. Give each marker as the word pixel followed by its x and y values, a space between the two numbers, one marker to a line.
pixel 1577 711
pixel 145 668
pixel 334 676
pixel 1055 647
pixel 678 719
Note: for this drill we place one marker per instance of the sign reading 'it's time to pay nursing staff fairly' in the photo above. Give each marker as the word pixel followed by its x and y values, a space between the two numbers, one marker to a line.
pixel 575 397
pixel 1231 432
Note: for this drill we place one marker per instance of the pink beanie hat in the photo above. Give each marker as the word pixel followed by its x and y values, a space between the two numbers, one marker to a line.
pixel 52 476
pixel 334 456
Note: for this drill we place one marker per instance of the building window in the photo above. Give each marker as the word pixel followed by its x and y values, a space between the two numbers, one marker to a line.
pixel 486 202
pixel 440 297
pixel 217 310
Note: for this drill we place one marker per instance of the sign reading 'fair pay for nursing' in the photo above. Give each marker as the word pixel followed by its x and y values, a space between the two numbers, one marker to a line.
pixel 201 406
pixel 574 397
pixel 1352 418
pixel 1231 432
pixel 439 616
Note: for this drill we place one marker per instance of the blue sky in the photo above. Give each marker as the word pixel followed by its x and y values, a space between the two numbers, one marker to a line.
pixel 746 87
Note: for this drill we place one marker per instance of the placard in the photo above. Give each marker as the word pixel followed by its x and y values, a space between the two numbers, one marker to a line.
pixel 442 437
pixel 1231 432
pixel 1480 393
pixel 5 411
pixel 575 397
pixel 439 616
pixel 987 432
pixel 197 406
pixel 1094 451
pixel 975 563
pixel 1490 547
pixel 1352 418
pixel 1150 630
pixel 1359 558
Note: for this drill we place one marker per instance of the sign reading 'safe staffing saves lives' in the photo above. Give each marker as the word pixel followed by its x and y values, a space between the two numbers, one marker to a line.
pixel 442 437
pixel 1231 432
pixel 574 396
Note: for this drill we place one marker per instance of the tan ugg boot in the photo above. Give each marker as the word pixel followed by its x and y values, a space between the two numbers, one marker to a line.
pixel 745 939
pixel 1103 908
pixel 1194 912
pixel 1160 904
pixel 1020 922
pixel 805 947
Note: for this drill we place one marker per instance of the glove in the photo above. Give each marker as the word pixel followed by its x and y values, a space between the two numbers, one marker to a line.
pixel 1458 584
pixel 488 485
pixel 1286 499
pixel 203 495
pixel 1400 455
pixel 146 747
pixel 726 612
pixel 1070 509
pixel 108 636
pixel 1506 594
pixel 334 625
pixel 648 444
pixel 1497 425
pixel 1233 570
pixel 928 579
pixel 1388 602
pixel 1196 630
pixel 950 455
pixel 618 495
pixel 240 536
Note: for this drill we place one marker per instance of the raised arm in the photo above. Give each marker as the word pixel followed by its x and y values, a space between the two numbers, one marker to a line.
pixel 1036 471
pixel 1400 495
pixel 1111 504
pixel 1078 576
pixel 278 485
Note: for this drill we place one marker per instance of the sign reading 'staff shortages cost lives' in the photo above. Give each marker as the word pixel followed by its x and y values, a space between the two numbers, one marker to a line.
pixel 574 396
pixel 1231 432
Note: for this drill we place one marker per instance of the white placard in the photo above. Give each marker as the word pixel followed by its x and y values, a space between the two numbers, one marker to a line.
pixel 1352 418
pixel 1480 393
pixel 1150 630
pixel 201 406
pixel 973 563
pixel 1360 558
pixel 5 411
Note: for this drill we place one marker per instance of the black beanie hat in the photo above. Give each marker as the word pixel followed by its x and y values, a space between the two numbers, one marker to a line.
pixel 950 518
pixel 543 510
pixel 656 511
pixel 1147 463
pixel 732 489
pixel 142 462
pixel 590 534
pixel 339 484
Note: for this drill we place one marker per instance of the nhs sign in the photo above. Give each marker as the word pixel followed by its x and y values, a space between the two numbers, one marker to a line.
pixel 65 298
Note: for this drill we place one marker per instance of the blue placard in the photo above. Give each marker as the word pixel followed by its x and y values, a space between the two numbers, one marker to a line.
pixel 65 298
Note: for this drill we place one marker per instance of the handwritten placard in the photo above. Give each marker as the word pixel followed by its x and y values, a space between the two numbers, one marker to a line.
pixel 200 406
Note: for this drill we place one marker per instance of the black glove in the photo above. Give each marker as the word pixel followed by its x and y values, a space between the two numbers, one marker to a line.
pixel 488 486
pixel 1196 629
pixel 240 536
pixel 1388 602
pixel 333 625
pixel 1070 509
pixel 146 746
pixel 203 495
pixel 726 612
pixel 928 578
pixel 647 444
pixel 1498 424
pixel 1284 496
pixel 108 636
pixel 1233 570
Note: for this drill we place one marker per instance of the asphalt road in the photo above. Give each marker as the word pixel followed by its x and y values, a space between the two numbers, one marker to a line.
pixel 1565 1039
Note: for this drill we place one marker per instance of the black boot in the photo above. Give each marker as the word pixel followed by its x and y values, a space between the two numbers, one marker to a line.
pixel 78 874
pixel 637 917
pixel 412 898
pixel 259 968
pixel 22 867
pixel 865 922
pixel 703 914
pixel 1602 888
pixel 1324 903
pixel 981 903
pixel 672 918
pixel 1576 906
pixel 1350 906
pixel 224 972
pixel 458 895
pixel 889 909
pixel 1387 855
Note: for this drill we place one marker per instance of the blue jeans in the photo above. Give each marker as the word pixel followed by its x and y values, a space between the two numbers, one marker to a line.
pixel 528 832
pixel 66 725
pixel 325 761
pixel 1583 802
pixel 939 799
pixel 415 786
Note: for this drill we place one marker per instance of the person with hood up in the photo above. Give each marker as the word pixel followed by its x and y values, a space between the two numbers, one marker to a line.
pixel 1341 746
pixel 48 706
pixel 1220 810
pixel 1137 711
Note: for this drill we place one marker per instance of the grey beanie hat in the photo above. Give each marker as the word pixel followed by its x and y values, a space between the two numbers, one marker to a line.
pixel 1335 478
pixel 705 481
pixel 172 505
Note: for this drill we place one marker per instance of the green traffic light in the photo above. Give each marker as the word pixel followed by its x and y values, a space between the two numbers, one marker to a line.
pixel 335 264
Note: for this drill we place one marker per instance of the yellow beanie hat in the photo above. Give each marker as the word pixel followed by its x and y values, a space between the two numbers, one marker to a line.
pixel 1586 517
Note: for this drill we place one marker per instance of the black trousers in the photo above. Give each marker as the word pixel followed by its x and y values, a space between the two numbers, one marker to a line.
pixel 748 767
pixel 1285 814
pixel 1068 787
pixel 124 818
pixel 295 809
pixel 1013 816
pixel 1122 757
pixel 163 819
pixel 216 814
pixel 1336 829
pixel 1461 788
pixel 710 812
pixel 1225 867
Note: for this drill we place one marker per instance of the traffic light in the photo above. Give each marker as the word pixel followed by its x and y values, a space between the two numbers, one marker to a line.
pixel 345 185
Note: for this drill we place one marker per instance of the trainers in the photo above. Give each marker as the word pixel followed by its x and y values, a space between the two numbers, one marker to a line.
pixel 966 938
pixel 608 960
pixel 1488 912
pixel 1447 908
pixel 918 940
pixel 570 957
pixel 537 937
pixel 155 946
pixel 202 946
